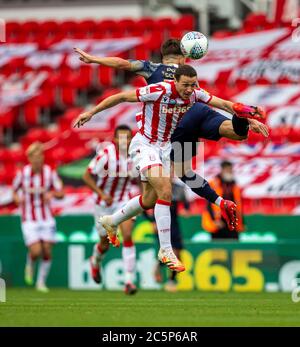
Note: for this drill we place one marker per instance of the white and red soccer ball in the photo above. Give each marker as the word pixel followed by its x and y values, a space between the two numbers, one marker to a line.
pixel 194 45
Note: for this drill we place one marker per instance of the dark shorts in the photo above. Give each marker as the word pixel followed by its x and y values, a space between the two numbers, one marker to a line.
pixel 200 121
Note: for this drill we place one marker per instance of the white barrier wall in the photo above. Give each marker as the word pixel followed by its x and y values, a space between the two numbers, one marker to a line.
pixel 132 10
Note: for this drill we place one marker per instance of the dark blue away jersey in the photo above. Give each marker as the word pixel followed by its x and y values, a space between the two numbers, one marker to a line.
pixel 153 72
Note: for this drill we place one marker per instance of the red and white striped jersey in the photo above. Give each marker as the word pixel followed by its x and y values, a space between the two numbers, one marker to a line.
pixel 114 173
pixel 163 109
pixel 33 186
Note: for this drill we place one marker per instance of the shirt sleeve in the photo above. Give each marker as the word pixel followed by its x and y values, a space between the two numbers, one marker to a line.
pixel 202 95
pixel 56 181
pixel 17 182
pixel 150 93
pixel 98 164
pixel 143 68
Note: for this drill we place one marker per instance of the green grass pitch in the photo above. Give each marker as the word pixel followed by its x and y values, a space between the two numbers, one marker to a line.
pixel 62 307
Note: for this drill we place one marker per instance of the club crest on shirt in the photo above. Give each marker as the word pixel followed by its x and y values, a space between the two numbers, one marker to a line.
pixel 165 99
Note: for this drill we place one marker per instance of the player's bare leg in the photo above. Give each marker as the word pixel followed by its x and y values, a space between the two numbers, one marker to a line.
pixel 161 183
pixel 44 267
pixel 226 129
pixel 99 250
pixel 34 252
pixel 131 209
pixel 129 257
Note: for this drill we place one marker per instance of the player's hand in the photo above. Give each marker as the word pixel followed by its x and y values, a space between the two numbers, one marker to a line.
pixel 82 119
pixel 258 127
pixel 83 56
pixel 47 197
pixel 107 198
pixel 18 200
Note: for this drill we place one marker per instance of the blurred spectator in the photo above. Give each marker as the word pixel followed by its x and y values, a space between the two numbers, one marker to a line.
pixel 225 186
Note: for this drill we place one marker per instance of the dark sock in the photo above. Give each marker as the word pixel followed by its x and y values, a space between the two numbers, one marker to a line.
pixel 240 125
pixel 173 275
pixel 199 186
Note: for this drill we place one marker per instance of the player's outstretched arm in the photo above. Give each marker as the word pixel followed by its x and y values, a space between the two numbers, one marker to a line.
pixel 222 104
pixel 114 62
pixel 109 102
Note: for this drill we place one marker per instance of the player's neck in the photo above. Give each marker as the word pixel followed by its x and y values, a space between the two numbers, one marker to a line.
pixel 170 60
pixel 122 152
pixel 36 169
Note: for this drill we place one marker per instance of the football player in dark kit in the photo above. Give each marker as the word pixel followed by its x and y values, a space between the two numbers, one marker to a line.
pixel 200 121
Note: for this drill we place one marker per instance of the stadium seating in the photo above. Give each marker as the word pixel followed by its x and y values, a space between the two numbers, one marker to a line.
pixel 60 91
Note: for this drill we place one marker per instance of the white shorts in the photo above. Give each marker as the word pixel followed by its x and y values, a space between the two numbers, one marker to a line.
pixel 35 231
pixel 105 210
pixel 146 155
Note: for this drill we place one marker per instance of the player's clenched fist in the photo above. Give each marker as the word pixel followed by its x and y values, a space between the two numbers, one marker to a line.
pixel 82 118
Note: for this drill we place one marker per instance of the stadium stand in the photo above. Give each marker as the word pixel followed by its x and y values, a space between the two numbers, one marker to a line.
pixel 42 83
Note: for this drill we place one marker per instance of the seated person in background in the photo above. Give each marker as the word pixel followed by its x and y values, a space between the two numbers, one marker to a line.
pixel 212 221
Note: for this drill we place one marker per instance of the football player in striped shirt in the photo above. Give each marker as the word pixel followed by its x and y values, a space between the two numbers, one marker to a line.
pixel 200 121
pixel 34 187
pixel 164 104
pixel 109 175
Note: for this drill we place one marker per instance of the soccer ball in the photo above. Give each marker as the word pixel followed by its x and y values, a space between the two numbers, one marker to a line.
pixel 194 45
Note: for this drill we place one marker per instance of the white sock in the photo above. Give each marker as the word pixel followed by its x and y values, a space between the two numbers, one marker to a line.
pixel 218 201
pixel 43 272
pixel 132 208
pixel 97 254
pixel 163 222
pixel 129 261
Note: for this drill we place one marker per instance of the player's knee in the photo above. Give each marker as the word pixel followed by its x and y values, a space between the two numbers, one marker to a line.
pixel 242 138
pixel 47 256
pixel 165 194
pixel 35 254
pixel 148 202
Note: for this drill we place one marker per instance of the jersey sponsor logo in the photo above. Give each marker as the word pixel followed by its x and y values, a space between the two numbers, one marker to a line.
pixel 176 109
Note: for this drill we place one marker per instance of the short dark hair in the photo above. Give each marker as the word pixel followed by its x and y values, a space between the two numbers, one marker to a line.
pixel 171 47
pixel 122 127
pixel 226 163
pixel 185 70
